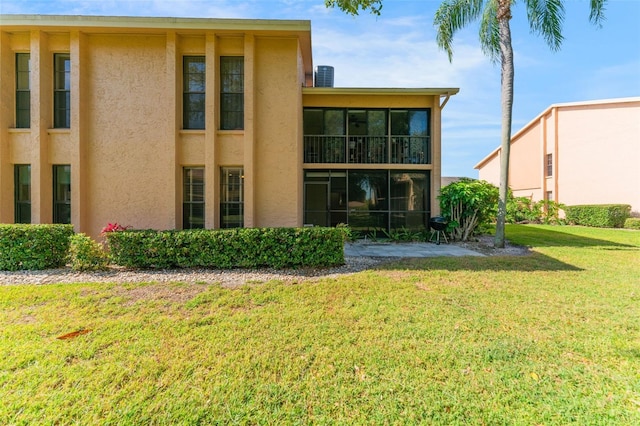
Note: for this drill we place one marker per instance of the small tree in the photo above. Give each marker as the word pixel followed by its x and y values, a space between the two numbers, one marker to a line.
pixel 467 204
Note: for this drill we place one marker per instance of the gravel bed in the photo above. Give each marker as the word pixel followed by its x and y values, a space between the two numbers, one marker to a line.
pixel 225 278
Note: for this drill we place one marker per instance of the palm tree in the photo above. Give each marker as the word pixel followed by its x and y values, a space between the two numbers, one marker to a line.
pixel 545 18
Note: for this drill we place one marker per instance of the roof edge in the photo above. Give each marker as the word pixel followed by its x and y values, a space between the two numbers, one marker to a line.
pixel 153 22
pixel 379 91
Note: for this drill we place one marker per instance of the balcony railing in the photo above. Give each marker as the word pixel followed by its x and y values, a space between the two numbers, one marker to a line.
pixel 367 149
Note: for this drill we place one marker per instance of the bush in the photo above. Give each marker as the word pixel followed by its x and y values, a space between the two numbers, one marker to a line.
pixel 524 210
pixel 632 223
pixel 467 204
pixel 86 254
pixel 33 246
pixel 232 248
pixel 601 216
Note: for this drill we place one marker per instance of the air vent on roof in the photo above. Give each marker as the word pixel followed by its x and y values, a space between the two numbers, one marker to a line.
pixel 324 76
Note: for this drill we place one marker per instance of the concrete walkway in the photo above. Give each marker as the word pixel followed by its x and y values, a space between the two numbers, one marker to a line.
pixel 405 250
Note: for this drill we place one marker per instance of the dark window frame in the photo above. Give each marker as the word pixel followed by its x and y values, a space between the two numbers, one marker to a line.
pixel 549 165
pixel 61 90
pixel 193 201
pixel 394 208
pixel 231 196
pixel 22 196
pixel 363 139
pixel 23 91
pixel 61 194
pixel 231 93
pixel 194 92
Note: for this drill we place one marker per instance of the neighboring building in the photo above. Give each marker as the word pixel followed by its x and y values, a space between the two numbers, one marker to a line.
pixel 576 153
pixel 188 123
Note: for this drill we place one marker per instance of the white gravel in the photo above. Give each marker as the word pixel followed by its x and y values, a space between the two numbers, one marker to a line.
pixel 225 278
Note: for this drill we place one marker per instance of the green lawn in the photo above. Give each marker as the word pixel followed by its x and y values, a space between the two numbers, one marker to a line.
pixel 547 339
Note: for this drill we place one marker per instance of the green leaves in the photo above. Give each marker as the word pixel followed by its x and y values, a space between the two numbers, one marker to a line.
pixel 353 7
pixel 232 248
pixel 468 203
pixel 86 254
pixel 602 216
pixel 33 246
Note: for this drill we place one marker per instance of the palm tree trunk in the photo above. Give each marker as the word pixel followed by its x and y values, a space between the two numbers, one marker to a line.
pixel 506 60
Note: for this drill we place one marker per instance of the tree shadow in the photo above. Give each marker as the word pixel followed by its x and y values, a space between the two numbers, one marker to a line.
pixel 533 261
pixel 542 237
pixel 527 263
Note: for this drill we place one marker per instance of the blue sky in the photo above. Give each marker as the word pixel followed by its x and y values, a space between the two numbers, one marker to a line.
pixel 398 49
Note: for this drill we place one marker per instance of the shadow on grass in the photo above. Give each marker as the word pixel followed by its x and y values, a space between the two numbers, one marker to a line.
pixel 528 263
pixel 533 236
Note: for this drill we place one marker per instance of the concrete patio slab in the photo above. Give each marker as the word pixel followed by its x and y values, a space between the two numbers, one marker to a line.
pixel 406 250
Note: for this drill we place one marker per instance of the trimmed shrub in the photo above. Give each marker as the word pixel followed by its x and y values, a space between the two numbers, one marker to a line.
pixel 225 249
pixel 30 247
pixel 86 254
pixel 632 223
pixel 601 216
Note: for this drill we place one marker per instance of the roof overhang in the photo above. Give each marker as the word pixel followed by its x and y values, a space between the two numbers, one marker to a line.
pixel 301 29
pixel 340 91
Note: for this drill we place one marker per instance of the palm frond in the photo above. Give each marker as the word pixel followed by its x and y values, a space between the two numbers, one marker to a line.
pixel 546 18
pixel 490 31
pixel 597 12
pixel 451 16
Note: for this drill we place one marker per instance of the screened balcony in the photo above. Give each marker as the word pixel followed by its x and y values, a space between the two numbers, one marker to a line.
pixel 367 149
pixel 366 136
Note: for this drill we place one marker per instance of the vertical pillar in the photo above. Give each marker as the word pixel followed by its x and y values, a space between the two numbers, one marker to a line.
pixel 211 166
pixel 436 156
pixel 79 166
pixel 41 120
pixel 7 104
pixel 556 158
pixel 173 94
pixel 250 218
pixel 543 152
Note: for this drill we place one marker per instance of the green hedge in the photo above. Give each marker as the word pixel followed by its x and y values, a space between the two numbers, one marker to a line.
pixel 225 249
pixel 601 216
pixel 33 246
pixel 632 223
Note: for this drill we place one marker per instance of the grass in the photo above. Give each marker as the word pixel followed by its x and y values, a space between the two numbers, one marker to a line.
pixel 547 339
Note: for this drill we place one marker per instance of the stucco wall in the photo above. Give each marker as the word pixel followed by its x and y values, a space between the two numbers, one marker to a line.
pixel 595 148
pixel 130 155
pixel 527 156
pixel 277 185
pixel 599 155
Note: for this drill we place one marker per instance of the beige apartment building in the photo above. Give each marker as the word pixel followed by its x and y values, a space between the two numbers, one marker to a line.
pixel 173 123
pixel 576 153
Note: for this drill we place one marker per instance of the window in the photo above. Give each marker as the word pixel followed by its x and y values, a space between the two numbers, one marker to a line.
pixel 366 136
pixel 62 91
pixel 62 194
pixel 232 197
pixel 193 198
pixel 549 165
pixel 231 92
pixel 549 196
pixel 370 201
pixel 193 97
pixel 22 184
pixel 23 91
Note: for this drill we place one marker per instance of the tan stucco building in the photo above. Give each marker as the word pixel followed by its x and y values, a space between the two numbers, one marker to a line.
pixel 576 153
pixel 174 123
